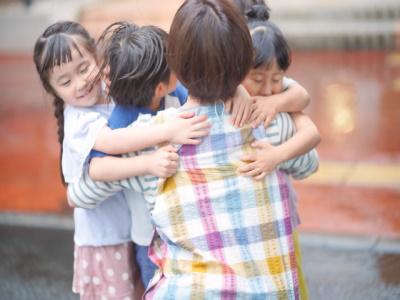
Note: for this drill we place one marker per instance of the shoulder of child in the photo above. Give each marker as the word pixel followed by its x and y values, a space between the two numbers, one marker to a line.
pixel 287 82
pixel 80 119
pixel 160 117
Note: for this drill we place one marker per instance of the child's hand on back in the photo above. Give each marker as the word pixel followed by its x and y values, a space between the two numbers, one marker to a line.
pixel 240 106
pixel 265 110
pixel 163 162
pixel 187 128
pixel 262 162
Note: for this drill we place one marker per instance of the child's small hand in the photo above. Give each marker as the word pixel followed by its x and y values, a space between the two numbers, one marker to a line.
pixel 261 163
pixel 187 128
pixel 264 111
pixel 240 106
pixel 163 162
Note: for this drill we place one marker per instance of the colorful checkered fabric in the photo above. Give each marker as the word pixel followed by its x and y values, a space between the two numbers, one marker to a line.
pixel 220 235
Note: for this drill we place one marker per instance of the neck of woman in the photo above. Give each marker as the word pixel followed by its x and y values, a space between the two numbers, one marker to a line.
pixel 192 102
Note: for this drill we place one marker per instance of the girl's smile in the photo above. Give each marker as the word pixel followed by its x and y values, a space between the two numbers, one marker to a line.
pixel 74 81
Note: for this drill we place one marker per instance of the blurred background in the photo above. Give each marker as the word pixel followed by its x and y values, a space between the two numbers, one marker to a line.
pixel 346 53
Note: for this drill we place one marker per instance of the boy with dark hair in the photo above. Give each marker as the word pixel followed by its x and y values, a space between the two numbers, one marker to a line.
pixel 140 82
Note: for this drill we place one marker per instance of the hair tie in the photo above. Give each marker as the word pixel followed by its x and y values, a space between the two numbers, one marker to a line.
pixel 258 11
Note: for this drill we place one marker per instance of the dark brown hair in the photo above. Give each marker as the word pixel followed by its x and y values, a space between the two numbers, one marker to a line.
pixel 210 48
pixel 54 48
pixel 268 41
pixel 245 5
pixel 136 59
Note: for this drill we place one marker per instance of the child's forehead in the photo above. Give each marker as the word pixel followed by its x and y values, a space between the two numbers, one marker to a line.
pixel 77 58
pixel 77 46
pixel 269 67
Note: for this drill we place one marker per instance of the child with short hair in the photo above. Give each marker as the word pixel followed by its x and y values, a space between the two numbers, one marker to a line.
pixel 65 60
pixel 267 82
pixel 139 81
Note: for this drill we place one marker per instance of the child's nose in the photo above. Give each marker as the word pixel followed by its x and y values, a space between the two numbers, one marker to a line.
pixel 83 82
pixel 266 90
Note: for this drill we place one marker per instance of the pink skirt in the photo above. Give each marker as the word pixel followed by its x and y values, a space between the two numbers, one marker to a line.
pixel 106 272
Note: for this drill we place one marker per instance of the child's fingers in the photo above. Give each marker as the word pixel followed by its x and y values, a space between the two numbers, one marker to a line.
pixel 173 157
pixel 198 119
pixel 248 157
pixel 199 134
pixel 260 176
pixel 236 114
pixel 268 120
pixel 171 170
pixel 246 115
pixel 259 119
pixel 253 116
pixel 191 142
pixel 247 167
pixel 260 144
pixel 239 116
pixel 228 105
pixel 251 172
pixel 172 165
pixel 201 126
pixel 186 115
pixel 169 148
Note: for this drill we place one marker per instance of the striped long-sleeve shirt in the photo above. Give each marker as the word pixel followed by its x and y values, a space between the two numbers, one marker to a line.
pixel 221 236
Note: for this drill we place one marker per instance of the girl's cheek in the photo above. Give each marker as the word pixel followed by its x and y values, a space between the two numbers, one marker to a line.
pixel 277 88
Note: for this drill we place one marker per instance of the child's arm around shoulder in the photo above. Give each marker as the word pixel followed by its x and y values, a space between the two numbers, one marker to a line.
pixel 184 128
pixel 305 137
pixel 299 166
pixel 161 163
pixel 293 144
pixel 293 98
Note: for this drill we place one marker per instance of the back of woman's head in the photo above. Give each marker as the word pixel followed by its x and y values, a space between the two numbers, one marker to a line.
pixel 134 59
pixel 268 41
pixel 209 48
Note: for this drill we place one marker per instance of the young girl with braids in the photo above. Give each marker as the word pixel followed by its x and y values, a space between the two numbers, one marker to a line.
pixel 104 264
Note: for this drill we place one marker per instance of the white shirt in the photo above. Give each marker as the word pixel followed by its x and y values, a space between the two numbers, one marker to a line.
pixel 108 223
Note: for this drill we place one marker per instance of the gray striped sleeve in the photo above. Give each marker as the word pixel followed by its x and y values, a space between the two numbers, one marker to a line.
pixel 285 126
pixel 87 193
pixel 302 166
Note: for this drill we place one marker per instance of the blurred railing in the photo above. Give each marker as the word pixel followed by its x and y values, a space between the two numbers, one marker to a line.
pixel 339 24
